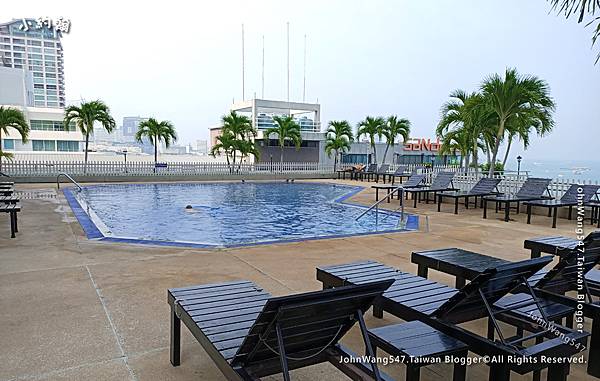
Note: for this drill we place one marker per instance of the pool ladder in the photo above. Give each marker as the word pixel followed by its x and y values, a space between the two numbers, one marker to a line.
pixel 69 178
pixel 375 206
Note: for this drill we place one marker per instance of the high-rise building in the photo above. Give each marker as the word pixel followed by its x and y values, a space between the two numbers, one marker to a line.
pixel 35 48
pixel 131 125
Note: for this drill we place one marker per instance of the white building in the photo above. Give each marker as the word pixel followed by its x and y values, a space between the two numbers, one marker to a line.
pixel 35 48
pixel 47 132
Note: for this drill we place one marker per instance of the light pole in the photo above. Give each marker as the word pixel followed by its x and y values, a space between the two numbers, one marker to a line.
pixel 519 158
pixel 124 152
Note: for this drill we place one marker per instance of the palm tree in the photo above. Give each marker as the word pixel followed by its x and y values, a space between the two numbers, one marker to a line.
pixel 516 96
pixel 286 129
pixel 393 128
pixel 84 117
pixel 339 136
pixel 12 118
pixel 156 131
pixel 225 143
pixel 458 139
pixel 241 130
pixel 469 115
pixel 371 127
pixel 583 8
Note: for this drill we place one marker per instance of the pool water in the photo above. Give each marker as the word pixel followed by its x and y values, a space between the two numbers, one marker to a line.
pixel 226 214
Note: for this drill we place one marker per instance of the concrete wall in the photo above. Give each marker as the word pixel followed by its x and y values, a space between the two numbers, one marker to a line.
pixel 290 154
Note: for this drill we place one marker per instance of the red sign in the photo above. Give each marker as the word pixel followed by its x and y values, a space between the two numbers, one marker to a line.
pixel 422 145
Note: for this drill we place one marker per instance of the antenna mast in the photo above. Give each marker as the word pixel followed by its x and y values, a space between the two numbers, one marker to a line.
pixel 288 61
pixel 263 67
pixel 304 77
pixel 243 68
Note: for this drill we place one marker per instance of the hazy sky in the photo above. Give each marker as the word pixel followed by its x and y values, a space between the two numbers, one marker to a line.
pixel 183 62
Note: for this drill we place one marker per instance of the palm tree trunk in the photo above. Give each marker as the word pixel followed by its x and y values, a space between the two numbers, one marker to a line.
pixel 510 139
pixel 281 158
pixel 475 154
pixel 387 147
pixel 0 149
pixel 467 157
pixel 499 136
pixel 374 150
pixel 335 161
pixel 232 169
pixel 85 158
pixel 155 152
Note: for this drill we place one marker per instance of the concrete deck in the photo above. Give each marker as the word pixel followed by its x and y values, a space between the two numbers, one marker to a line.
pixel 74 309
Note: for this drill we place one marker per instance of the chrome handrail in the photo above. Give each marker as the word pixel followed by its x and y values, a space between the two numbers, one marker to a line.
pixel 70 179
pixel 375 206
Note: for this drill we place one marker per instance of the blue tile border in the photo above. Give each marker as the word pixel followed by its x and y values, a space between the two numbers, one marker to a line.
pixel 92 232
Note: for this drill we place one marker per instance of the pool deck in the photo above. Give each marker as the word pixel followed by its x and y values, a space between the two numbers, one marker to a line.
pixel 74 309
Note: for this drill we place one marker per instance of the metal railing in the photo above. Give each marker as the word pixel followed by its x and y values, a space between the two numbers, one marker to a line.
pixel 375 206
pixel 70 179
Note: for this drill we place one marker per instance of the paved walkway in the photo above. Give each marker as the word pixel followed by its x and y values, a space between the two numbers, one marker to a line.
pixel 74 309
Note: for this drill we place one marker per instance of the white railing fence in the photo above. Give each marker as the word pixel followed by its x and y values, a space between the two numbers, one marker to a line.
pixel 112 168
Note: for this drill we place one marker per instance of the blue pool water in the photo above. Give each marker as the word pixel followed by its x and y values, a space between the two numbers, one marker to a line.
pixel 225 214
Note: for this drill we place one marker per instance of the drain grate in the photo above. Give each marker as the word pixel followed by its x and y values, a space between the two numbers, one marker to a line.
pixel 35 194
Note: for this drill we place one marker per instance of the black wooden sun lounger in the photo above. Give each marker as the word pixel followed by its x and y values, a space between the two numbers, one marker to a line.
pixel 249 334
pixel 382 171
pixel 12 209
pixel 401 172
pixel 441 183
pixel 569 199
pixel 415 298
pixel 414 181
pixel 484 187
pixel 532 189
pixel 368 172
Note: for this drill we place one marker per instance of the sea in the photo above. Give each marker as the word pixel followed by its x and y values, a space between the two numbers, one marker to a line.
pixel 569 170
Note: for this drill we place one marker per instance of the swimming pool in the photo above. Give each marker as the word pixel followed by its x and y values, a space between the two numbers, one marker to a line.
pixel 224 214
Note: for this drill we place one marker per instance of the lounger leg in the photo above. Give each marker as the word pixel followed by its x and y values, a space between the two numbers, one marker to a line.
pixel 467 202
pixel 175 339
pixel 422 271
pixel 439 201
pixel 557 372
pixel 484 207
pixel 570 213
pixel 377 311
pixel 16 222
pixel 415 199
pixel 413 372
pixel 456 205
pixel 459 282
pixel 368 347
pixel 549 212
pixel 12 224
pixel 507 211
pixel 376 194
pixel 491 331
pixel 499 372
pixel 528 213
pixel 555 215
pixel 594 350
pixel 460 370
pixel 518 207
pixel 282 357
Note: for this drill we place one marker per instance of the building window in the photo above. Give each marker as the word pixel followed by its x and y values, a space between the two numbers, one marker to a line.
pixel 67 145
pixel 18 41
pixel 50 125
pixel 19 48
pixel 34 43
pixel 355 158
pixel 48 44
pixel 44 145
pixel 35 50
pixel 9 143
